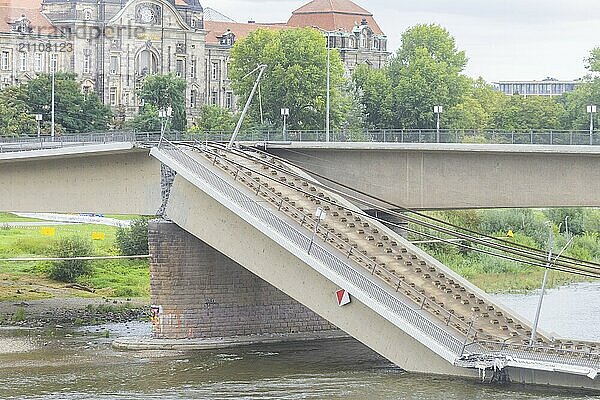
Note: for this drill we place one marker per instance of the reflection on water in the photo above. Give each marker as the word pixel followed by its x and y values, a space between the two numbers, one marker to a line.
pixel 82 365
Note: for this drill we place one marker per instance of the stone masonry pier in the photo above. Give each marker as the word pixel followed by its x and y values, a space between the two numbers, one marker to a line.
pixel 202 294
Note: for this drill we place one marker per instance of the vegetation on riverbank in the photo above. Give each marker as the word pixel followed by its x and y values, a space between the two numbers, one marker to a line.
pixel 28 280
pixel 528 227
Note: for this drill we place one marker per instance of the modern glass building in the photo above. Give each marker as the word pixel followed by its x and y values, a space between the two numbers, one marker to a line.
pixel 546 87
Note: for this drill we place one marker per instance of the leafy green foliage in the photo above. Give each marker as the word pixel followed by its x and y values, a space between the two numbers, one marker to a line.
pixel 75 111
pixel 163 91
pixel 70 270
pixel 214 119
pixel 532 112
pixel 147 120
pixel 593 62
pixel 375 95
pixel 295 77
pixel 133 241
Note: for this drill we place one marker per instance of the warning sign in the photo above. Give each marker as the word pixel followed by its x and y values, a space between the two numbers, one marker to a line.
pixel 343 297
pixel 48 232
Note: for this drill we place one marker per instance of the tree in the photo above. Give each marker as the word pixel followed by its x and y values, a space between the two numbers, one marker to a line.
pixel 133 240
pixel 70 270
pixel 295 78
pixel 527 113
pixel 163 91
pixel 74 111
pixel 147 120
pixel 376 95
pixel 476 109
pixel 215 119
pixel 426 72
pixel 15 119
pixel 593 61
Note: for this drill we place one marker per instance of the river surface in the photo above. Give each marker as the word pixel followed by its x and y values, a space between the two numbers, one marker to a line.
pixel 62 364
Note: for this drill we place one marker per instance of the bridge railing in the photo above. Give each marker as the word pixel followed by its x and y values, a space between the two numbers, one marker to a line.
pixel 320 252
pixel 538 352
pixel 537 137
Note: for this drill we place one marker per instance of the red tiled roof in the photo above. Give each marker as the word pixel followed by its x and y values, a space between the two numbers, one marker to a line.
pixel 333 15
pixel 11 10
pixel 338 6
pixel 216 29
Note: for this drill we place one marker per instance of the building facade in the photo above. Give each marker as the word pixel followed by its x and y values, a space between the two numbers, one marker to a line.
pixel 546 87
pixel 111 45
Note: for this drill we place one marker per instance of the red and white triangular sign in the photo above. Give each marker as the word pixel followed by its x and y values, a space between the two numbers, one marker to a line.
pixel 343 297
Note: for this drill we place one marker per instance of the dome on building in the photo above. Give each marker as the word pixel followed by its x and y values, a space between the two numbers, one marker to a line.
pixel 333 15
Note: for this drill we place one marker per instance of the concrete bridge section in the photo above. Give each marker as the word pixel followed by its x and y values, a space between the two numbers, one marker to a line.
pixel 454 176
pixel 404 304
pixel 117 178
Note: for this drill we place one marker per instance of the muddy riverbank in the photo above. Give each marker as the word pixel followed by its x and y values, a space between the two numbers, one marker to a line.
pixel 72 311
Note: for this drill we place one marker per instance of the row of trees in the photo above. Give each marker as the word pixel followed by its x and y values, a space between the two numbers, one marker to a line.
pixel 427 70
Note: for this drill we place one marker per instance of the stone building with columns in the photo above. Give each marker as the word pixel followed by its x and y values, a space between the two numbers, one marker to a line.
pixel 111 45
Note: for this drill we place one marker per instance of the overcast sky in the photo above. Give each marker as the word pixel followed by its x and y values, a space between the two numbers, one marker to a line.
pixel 504 39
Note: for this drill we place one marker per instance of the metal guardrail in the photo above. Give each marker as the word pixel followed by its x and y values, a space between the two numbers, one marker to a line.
pixel 319 252
pixel 537 353
pixel 20 143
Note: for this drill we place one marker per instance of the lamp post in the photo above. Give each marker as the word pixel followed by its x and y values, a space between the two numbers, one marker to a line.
pixel 591 110
pixel 285 112
pixel 38 119
pixel 328 117
pixel 438 110
pixel 164 114
pixel 53 64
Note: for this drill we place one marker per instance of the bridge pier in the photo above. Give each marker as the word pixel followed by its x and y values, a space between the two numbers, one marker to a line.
pixel 199 293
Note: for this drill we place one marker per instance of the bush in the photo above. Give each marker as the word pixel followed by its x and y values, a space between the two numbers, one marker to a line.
pixel 70 270
pixel 133 241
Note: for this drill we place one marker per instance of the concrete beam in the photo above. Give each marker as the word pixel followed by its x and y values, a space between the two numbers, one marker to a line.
pixel 454 176
pixel 111 178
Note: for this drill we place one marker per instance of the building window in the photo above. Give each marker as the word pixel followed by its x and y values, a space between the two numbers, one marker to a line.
pixel 214 98
pixel 352 42
pixel 113 96
pixel 180 68
pixel 53 62
pixel 147 63
pixel 23 62
pixel 228 65
pixel 87 15
pixel 114 65
pixel 193 97
pixel 215 71
pixel 86 64
pixel 364 41
pixel 4 60
pixel 229 100
pixel 332 42
pixel 38 64
pixel 193 69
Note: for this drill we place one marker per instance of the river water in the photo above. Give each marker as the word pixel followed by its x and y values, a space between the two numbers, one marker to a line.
pixel 59 364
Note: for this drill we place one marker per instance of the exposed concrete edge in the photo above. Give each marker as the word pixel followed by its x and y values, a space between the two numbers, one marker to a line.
pixel 76 150
pixel 433 147
pixel 146 343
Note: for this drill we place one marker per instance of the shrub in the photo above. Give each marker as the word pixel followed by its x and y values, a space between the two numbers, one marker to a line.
pixel 133 241
pixel 70 270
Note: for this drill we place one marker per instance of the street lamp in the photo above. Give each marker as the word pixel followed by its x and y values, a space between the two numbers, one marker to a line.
pixel 328 117
pixel 285 112
pixel 438 110
pixel 164 114
pixel 38 118
pixel 591 110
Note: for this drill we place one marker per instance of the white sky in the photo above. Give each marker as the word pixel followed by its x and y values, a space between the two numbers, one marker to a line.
pixel 504 39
